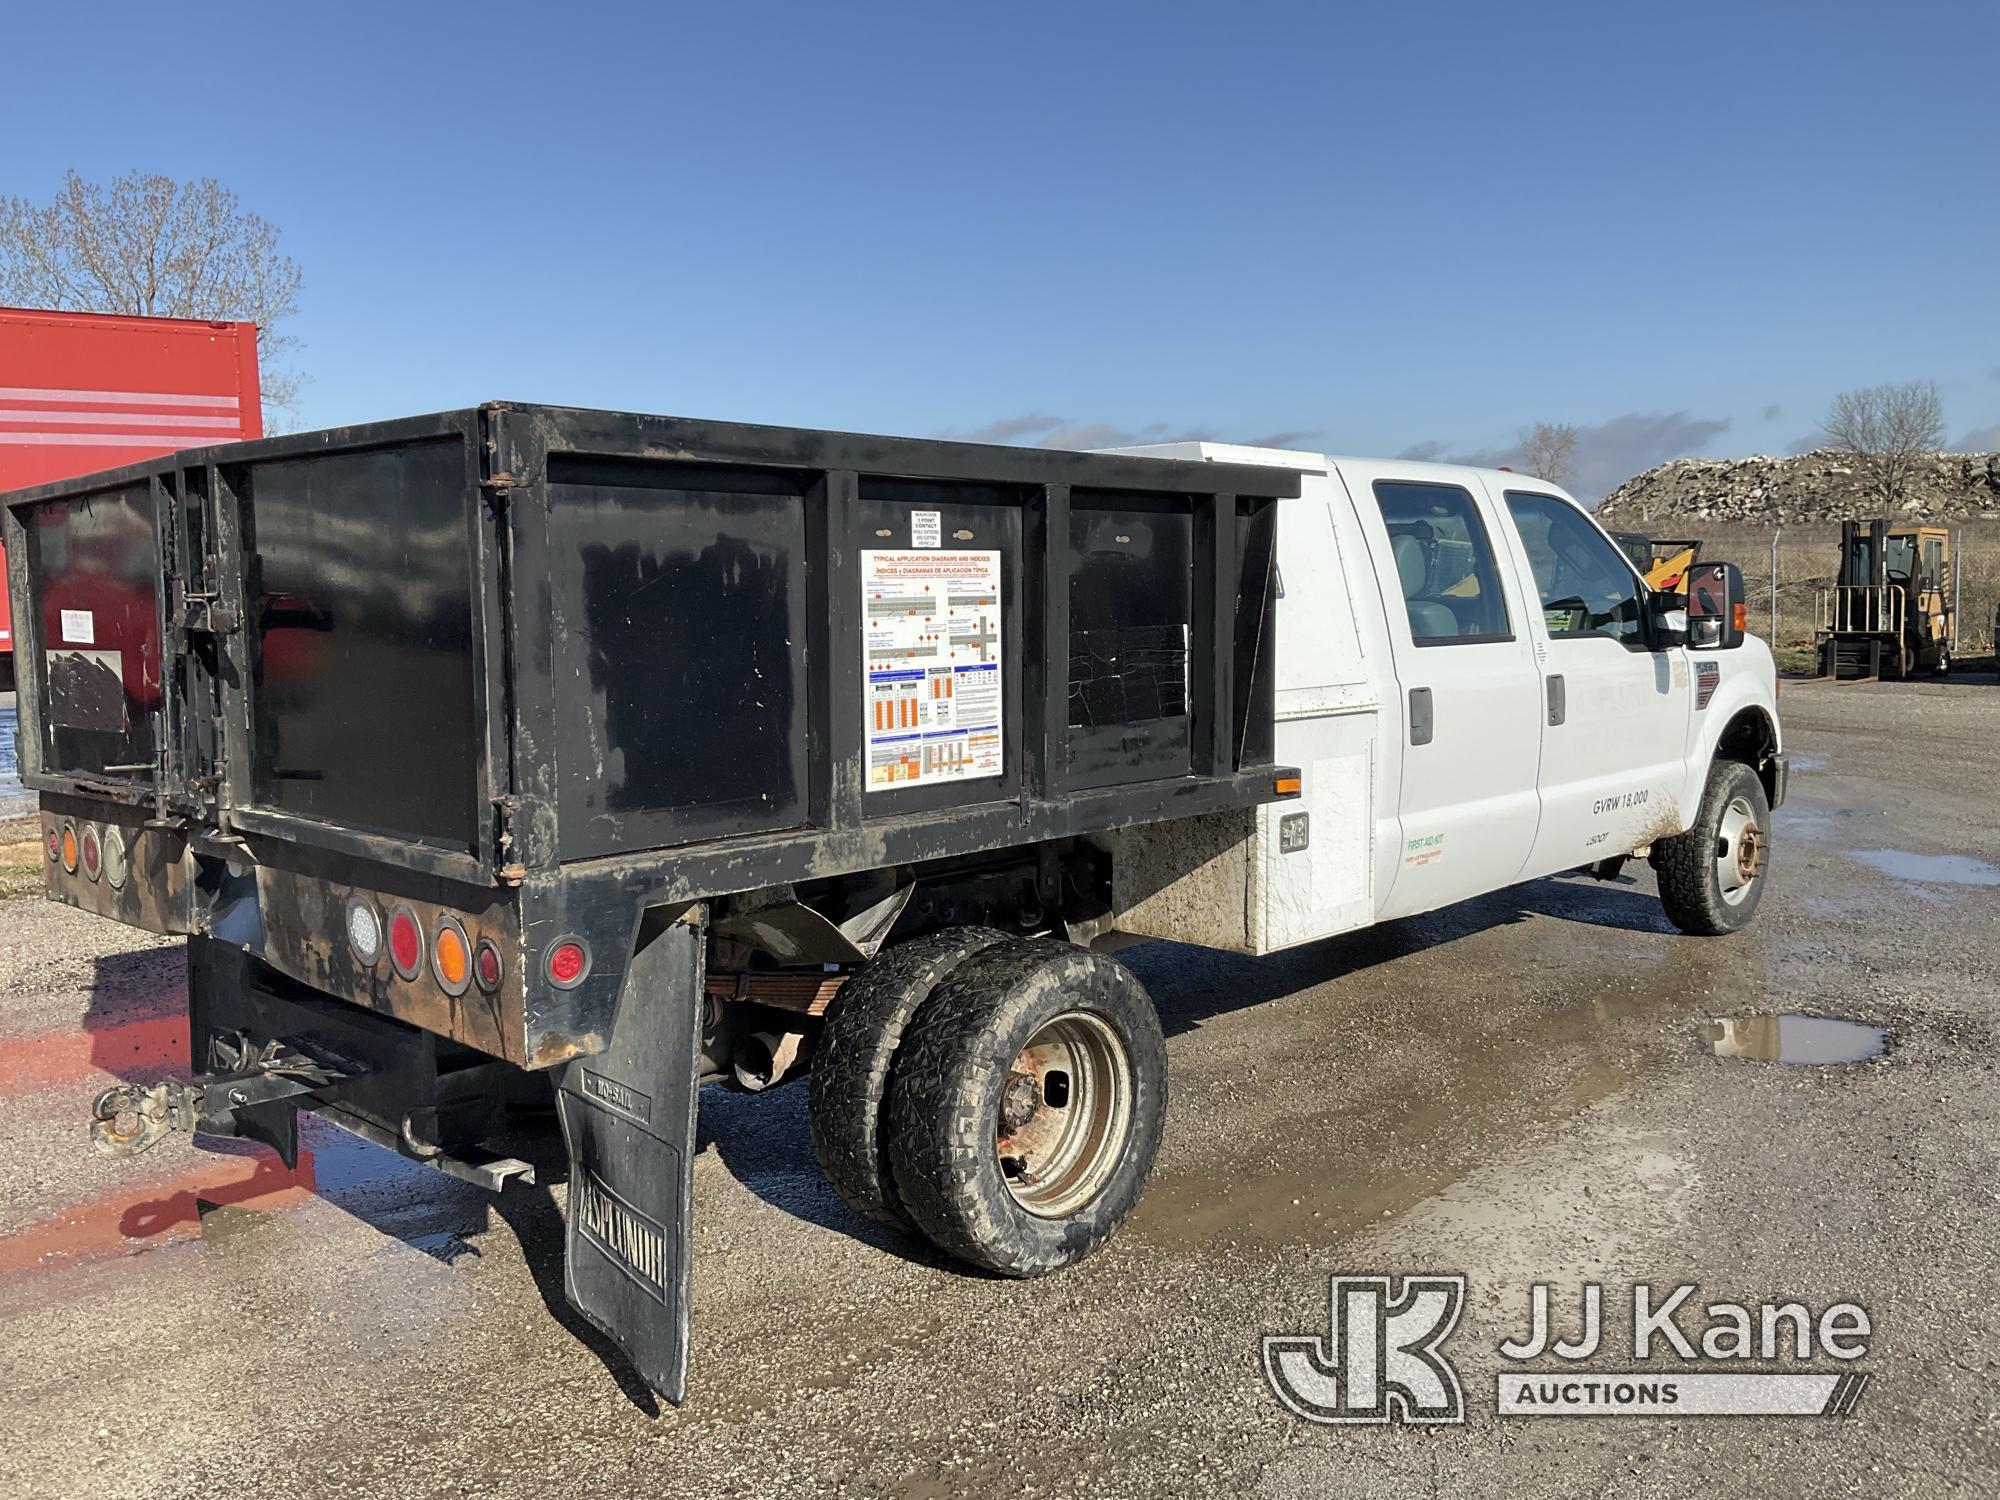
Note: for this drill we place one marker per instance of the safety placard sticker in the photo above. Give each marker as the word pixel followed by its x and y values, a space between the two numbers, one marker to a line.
pixel 931 650
pixel 78 628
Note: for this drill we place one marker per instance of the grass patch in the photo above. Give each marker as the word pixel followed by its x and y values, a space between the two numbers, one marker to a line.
pixel 21 868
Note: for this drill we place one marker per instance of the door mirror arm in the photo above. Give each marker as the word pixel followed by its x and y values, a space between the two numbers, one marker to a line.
pixel 1666 621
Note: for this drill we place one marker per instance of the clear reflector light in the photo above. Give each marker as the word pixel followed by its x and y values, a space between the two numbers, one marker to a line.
pixel 364 930
pixel 116 862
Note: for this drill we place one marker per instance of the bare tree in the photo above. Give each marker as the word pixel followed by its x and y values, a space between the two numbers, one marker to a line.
pixel 1548 451
pixel 1886 429
pixel 151 246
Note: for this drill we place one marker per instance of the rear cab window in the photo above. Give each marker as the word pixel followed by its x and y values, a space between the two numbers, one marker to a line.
pixel 1444 563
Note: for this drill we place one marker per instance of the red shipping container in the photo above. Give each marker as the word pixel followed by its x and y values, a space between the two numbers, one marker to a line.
pixel 86 391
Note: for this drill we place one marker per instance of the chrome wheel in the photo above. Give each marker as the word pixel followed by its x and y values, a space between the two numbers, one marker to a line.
pixel 1739 851
pixel 1065 1114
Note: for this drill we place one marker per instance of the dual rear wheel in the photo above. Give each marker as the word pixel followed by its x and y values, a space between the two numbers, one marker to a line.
pixel 1003 1097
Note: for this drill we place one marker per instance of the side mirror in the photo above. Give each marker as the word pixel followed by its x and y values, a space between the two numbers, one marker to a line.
pixel 1716 612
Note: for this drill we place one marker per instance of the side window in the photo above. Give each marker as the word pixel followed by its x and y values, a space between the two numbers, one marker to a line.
pixel 1444 560
pixel 1587 586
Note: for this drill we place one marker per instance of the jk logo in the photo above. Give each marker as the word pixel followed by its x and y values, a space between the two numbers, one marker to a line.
pixel 1380 1359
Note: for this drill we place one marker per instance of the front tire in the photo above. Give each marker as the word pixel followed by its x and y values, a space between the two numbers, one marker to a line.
pixel 1712 877
pixel 1026 1106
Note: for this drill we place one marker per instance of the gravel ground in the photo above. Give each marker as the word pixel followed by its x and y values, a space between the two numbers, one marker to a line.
pixel 1516 1089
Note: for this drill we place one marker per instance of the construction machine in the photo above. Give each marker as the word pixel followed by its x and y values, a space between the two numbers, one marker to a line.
pixel 1889 612
pixel 1663 564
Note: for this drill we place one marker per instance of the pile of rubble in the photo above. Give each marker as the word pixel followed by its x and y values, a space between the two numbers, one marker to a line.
pixel 1822 485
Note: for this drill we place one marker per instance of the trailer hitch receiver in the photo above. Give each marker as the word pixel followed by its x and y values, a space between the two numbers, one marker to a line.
pixel 129 1119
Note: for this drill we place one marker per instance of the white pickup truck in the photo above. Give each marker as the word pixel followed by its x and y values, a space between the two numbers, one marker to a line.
pixel 1479 689
pixel 634 753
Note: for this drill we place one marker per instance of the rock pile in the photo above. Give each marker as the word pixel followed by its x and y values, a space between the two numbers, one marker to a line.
pixel 1819 486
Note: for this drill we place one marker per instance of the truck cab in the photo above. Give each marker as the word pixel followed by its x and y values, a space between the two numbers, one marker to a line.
pixel 1480 688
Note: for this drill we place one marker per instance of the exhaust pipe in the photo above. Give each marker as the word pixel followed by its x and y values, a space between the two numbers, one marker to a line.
pixel 765 1058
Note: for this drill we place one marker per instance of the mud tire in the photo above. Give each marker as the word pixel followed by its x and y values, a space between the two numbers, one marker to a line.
pixel 855 1052
pixel 1691 888
pixel 945 1102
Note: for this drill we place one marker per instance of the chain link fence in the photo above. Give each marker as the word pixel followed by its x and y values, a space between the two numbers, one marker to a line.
pixel 1804 561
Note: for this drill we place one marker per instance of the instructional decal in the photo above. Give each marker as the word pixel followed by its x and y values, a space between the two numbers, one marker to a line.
pixel 931 649
pixel 926 528
pixel 78 628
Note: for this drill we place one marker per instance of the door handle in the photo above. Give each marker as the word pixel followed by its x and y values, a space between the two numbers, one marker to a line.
pixel 1420 716
pixel 1558 700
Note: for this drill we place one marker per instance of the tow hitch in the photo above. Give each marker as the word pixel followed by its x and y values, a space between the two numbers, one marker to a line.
pixel 129 1119
pixel 268 1048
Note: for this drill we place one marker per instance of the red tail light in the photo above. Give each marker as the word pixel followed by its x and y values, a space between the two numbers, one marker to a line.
pixel 93 854
pixel 55 845
pixel 568 962
pixel 406 942
pixel 487 966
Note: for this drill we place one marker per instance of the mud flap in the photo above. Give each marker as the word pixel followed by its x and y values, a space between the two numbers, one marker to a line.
pixel 628 1120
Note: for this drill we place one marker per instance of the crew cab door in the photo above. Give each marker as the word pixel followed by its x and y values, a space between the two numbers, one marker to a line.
pixel 1614 738
pixel 1468 687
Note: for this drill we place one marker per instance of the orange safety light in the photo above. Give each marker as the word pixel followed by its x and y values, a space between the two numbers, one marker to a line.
pixel 451 957
pixel 1288 786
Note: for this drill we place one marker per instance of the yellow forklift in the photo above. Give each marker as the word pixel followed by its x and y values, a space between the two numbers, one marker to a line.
pixel 1889 611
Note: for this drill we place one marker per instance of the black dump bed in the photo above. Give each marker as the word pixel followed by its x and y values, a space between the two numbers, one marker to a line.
pixel 503 641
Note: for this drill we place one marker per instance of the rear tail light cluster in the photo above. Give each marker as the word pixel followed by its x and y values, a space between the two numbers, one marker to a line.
pixel 94 853
pixel 456 962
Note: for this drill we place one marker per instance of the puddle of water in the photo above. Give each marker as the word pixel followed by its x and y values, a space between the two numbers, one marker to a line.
pixel 1795 1039
pixel 1930 869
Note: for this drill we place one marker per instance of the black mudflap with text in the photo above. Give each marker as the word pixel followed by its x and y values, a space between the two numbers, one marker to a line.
pixel 628 1120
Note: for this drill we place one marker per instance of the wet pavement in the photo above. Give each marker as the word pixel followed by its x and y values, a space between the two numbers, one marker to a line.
pixel 1524 1088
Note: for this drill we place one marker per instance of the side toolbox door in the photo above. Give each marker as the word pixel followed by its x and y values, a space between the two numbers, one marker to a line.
pixel 1468 689
pixel 1318 875
pixel 1614 738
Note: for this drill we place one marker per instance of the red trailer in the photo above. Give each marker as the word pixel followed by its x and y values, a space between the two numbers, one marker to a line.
pixel 87 391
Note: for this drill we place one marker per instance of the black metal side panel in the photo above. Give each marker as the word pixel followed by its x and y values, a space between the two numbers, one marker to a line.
pixel 1255 676
pixel 628 1118
pixel 92 641
pixel 362 635
pixel 1131 618
pixel 680 651
pixel 967 518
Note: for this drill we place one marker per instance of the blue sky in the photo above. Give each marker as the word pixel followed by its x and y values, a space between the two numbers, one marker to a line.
pixel 1380 229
